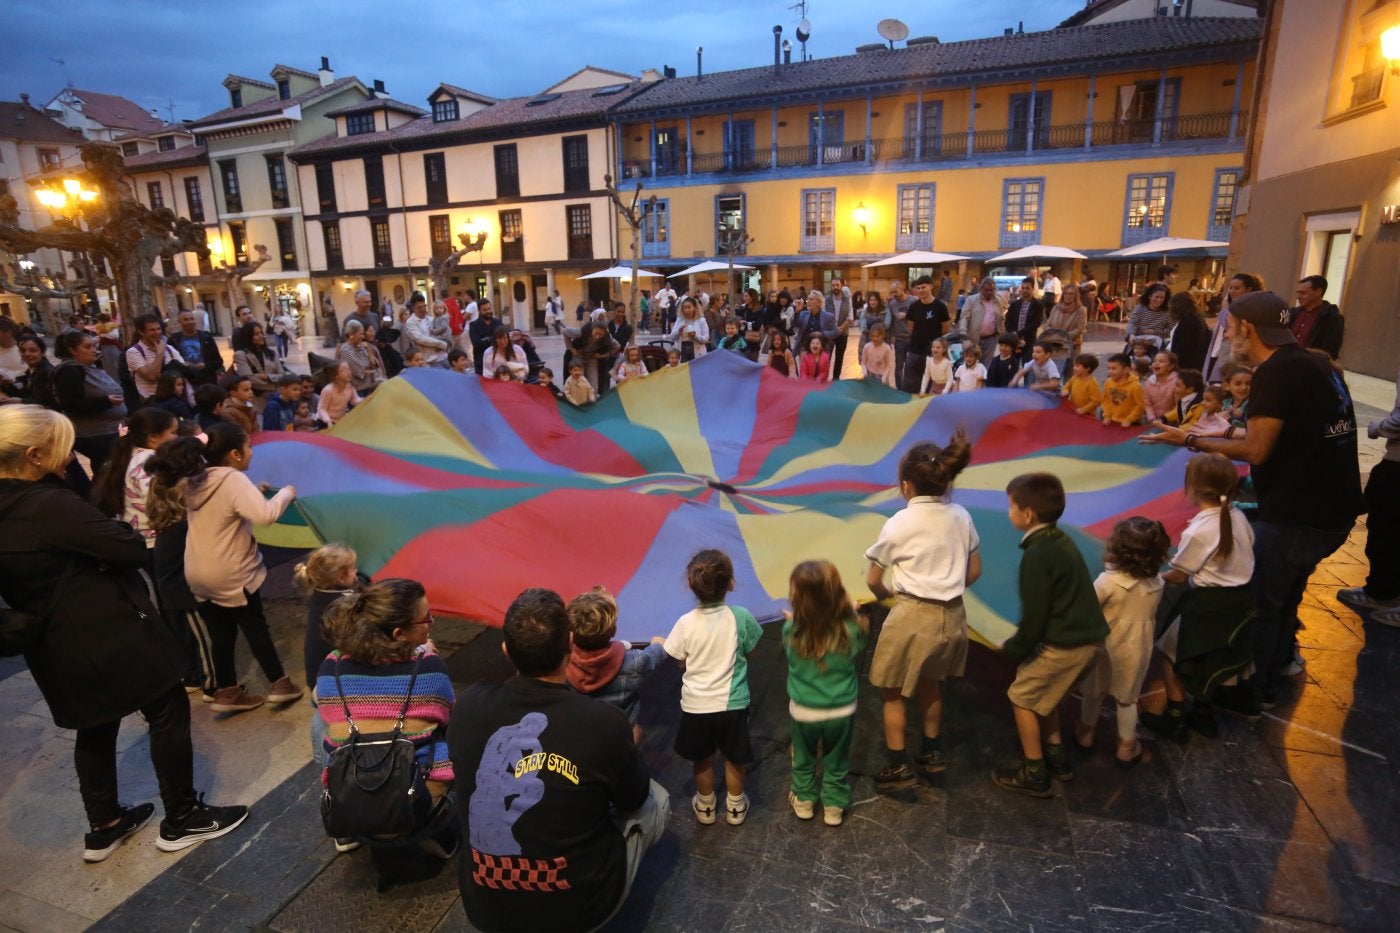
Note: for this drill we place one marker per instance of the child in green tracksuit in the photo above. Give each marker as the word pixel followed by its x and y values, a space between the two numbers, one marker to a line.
pixel 822 640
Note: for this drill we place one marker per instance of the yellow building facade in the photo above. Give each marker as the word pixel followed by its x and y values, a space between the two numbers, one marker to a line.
pixel 1093 138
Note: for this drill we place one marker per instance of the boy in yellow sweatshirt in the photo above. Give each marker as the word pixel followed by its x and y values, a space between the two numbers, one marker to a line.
pixel 1123 402
pixel 1189 388
pixel 1082 389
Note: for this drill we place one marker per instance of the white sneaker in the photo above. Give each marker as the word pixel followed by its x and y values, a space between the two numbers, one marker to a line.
pixel 1389 617
pixel 704 809
pixel 1357 598
pixel 832 816
pixel 736 809
pixel 1295 667
pixel 805 809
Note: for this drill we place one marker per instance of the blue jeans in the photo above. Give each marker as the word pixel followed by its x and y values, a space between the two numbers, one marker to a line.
pixel 1285 556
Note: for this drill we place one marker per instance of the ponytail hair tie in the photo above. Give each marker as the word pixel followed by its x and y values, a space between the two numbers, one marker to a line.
pixel 1224 499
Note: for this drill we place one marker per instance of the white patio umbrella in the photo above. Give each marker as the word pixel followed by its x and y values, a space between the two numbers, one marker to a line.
pixel 1036 251
pixel 709 265
pixel 620 272
pixel 1167 244
pixel 917 257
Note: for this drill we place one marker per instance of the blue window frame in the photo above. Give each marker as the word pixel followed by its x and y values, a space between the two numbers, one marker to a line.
pixel 1147 210
pixel 739 144
pixel 932 130
pixel 656 227
pixel 730 214
pixel 1022 200
pixel 818 220
pixel 1019 113
pixel 914 223
pixel 827 131
pixel 1222 203
pixel 666 151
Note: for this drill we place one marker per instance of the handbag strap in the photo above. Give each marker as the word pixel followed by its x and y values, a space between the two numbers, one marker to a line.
pixel 403 710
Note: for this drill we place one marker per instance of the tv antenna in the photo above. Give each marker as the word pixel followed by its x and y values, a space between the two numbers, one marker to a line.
pixel 892 30
pixel 67 79
pixel 804 26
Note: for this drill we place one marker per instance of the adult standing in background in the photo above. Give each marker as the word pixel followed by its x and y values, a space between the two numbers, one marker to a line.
pixel 982 315
pixel 150 354
pixel 1150 318
pixel 242 317
pixel 362 356
pixel 481 331
pixel 90 398
pixel 258 362
pixel 419 328
pixel 1070 316
pixel 200 352
pixel 898 320
pixel 363 313
pixel 1218 356
pixel 1316 324
pixel 1050 288
pixel 928 320
pixel 1023 318
pixel 1191 337
pixel 1381 594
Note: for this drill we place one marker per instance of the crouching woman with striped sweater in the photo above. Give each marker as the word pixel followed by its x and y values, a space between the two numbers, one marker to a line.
pixel 384 666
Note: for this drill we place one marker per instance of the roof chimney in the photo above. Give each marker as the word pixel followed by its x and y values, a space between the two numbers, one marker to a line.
pixel 777 48
pixel 24 98
pixel 379 89
pixel 699 63
pixel 1008 31
pixel 325 74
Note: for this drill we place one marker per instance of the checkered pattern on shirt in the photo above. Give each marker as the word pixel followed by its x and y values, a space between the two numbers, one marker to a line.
pixel 519 874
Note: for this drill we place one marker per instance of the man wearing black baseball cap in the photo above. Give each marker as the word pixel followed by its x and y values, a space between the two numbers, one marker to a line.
pixel 1300 442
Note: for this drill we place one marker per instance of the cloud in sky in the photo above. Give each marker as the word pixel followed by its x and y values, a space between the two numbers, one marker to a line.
pixel 168 56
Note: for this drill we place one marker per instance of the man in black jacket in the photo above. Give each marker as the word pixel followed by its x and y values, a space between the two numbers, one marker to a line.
pixel 1316 324
pixel 201 353
pixel 480 331
pixel 556 804
pixel 1023 317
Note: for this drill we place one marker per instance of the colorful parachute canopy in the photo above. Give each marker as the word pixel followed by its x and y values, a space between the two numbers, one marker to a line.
pixel 481 489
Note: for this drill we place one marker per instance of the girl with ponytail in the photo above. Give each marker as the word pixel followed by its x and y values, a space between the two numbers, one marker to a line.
pixel 1210 643
pixel 931 550
pixel 222 564
pixel 120 487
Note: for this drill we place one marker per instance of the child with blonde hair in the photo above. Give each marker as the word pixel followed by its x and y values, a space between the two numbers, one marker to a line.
pixel 822 638
pixel 328 573
pixel 605 669
pixel 1129 590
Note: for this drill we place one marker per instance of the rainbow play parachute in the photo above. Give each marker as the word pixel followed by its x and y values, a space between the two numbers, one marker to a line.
pixel 480 489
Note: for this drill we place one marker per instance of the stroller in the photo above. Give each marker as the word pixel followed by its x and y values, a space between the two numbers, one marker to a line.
pixel 1061 346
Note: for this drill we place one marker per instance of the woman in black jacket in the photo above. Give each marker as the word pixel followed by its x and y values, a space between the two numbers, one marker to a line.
pixel 1191 338
pixel 103 652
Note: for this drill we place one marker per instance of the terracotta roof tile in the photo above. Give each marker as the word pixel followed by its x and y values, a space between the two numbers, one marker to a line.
pixel 171 158
pixel 271 105
pixel 1159 35
pixel 376 103
pixel 256 82
pixel 21 121
pixel 117 112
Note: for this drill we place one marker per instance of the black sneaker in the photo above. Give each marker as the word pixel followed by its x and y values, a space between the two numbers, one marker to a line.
pixel 931 762
pixel 1237 702
pixel 1025 779
pixel 1167 725
pixel 1058 764
pixel 204 822
pixel 895 778
pixel 100 843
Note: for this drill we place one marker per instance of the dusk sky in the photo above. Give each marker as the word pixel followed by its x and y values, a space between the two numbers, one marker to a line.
pixel 156 52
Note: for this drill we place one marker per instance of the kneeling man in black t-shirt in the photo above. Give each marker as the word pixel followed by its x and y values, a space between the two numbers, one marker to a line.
pixel 557 806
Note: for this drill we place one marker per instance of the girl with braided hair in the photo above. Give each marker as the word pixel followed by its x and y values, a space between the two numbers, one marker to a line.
pixel 931 550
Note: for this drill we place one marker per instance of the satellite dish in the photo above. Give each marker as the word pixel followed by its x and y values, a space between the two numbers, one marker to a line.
pixel 804 30
pixel 893 30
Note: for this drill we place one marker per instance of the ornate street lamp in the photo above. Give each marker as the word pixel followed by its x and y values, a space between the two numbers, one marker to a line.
pixel 70 198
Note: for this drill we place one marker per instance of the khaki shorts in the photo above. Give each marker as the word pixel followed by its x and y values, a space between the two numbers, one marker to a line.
pixel 1043 679
pixel 920 640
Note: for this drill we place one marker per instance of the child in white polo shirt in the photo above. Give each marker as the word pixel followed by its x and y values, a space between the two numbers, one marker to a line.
pixel 931 549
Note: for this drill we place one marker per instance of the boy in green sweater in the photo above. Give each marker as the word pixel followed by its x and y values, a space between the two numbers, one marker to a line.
pixel 1061 628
